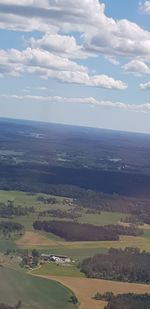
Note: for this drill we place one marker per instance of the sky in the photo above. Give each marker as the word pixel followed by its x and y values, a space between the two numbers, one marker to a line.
pixel 83 62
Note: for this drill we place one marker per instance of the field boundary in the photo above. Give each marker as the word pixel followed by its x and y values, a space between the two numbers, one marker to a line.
pixel 85 289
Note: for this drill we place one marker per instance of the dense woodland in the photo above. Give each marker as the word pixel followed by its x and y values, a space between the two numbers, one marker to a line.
pixel 138 219
pixel 35 156
pixel 122 265
pixel 73 231
pixel 129 301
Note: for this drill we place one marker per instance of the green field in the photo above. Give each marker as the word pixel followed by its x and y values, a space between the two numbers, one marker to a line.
pixel 147 234
pixel 30 200
pixel 34 293
pixel 7 244
pixel 105 218
pixel 51 269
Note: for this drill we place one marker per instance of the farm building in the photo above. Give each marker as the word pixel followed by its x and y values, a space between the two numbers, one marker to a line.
pixel 55 258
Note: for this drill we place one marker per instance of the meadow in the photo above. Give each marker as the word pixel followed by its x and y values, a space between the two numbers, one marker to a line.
pixel 35 293
pixel 58 270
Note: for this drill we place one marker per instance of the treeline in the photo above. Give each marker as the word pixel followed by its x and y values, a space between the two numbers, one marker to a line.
pixel 70 214
pixel 10 227
pixel 115 203
pixel 139 219
pixel 9 210
pixel 129 301
pixel 73 231
pixel 82 197
pixel 37 177
pixel 45 200
pixel 103 202
pixel 107 296
pixel 129 265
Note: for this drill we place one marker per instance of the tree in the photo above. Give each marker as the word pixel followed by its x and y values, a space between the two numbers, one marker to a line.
pixel 35 253
pixel 73 299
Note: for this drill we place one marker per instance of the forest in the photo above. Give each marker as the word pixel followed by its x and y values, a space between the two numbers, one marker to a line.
pixel 128 265
pixel 73 231
pixel 35 156
pixel 129 301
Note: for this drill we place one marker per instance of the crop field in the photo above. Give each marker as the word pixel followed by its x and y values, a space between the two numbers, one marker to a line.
pixel 85 289
pixel 35 293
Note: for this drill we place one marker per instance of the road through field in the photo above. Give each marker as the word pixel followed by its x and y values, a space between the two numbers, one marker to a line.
pixel 85 289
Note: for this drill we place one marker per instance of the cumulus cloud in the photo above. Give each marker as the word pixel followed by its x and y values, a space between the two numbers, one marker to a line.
pixel 100 33
pixel 48 65
pixel 136 67
pixel 86 100
pixel 61 44
pixel 53 54
pixel 145 86
pixel 145 8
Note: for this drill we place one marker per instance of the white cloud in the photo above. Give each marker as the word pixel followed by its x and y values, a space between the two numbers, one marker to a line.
pixel 145 8
pixel 112 60
pixel 48 65
pixel 136 67
pixel 87 101
pixel 101 34
pixel 121 38
pixel 61 44
pixel 53 55
pixel 145 86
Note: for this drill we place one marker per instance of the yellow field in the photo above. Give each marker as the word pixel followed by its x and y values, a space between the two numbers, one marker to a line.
pixel 85 289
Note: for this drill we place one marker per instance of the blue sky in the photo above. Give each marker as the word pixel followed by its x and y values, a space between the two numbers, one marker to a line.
pixel 83 63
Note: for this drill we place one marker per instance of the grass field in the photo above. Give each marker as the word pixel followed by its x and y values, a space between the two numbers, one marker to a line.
pixel 85 289
pixel 105 218
pixel 147 234
pixel 35 293
pixel 7 244
pixel 52 269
